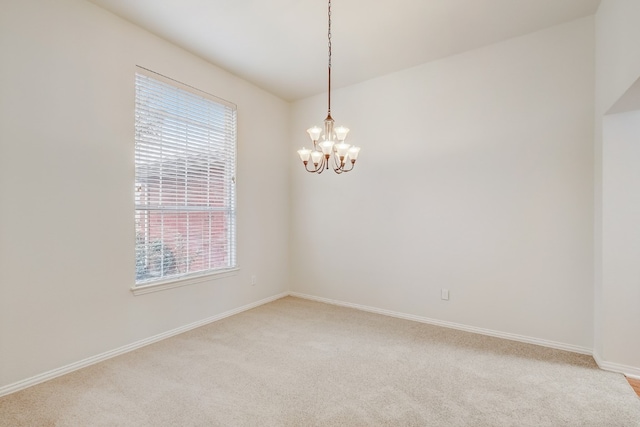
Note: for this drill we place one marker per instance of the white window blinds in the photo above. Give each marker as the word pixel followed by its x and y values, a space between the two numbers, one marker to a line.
pixel 185 161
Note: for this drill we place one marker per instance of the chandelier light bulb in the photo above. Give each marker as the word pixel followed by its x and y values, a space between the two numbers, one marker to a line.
pixel 341 133
pixel 353 153
pixel 326 147
pixel 304 155
pixel 316 157
pixel 342 149
pixel 314 133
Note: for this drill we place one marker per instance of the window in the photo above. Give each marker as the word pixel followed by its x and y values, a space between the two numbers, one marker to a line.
pixel 185 161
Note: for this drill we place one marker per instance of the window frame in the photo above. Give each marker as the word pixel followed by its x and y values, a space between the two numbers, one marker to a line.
pixel 186 279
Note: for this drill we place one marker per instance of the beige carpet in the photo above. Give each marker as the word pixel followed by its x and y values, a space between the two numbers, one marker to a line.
pixel 301 363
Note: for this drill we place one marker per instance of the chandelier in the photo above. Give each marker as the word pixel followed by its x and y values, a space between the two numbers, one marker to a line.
pixel 329 149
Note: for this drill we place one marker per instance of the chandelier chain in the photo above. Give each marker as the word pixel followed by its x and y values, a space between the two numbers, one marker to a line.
pixel 329 70
pixel 329 33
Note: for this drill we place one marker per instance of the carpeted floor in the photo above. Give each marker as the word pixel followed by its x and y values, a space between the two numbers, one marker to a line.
pixel 295 362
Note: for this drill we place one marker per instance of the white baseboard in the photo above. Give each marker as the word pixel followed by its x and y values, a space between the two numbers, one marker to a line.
pixel 452 325
pixel 46 376
pixel 629 371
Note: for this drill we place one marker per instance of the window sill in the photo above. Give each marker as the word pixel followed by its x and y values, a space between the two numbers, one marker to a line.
pixel 184 281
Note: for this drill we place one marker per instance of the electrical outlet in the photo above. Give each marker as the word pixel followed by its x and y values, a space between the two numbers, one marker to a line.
pixel 444 294
pixel 253 280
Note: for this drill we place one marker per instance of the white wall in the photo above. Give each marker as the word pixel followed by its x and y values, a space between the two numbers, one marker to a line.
pixel 66 188
pixel 621 240
pixel 617 155
pixel 475 175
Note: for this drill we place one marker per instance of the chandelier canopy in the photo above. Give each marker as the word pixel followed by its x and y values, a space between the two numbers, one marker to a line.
pixel 328 142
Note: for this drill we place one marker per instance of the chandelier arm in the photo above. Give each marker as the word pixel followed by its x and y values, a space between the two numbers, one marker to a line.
pixel 343 168
pixel 337 166
pixel 307 168
pixel 338 169
pixel 318 169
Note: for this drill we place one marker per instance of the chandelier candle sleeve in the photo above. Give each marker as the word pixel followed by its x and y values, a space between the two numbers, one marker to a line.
pixel 329 142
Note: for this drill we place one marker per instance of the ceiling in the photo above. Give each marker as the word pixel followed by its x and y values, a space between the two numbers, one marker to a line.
pixel 281 45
